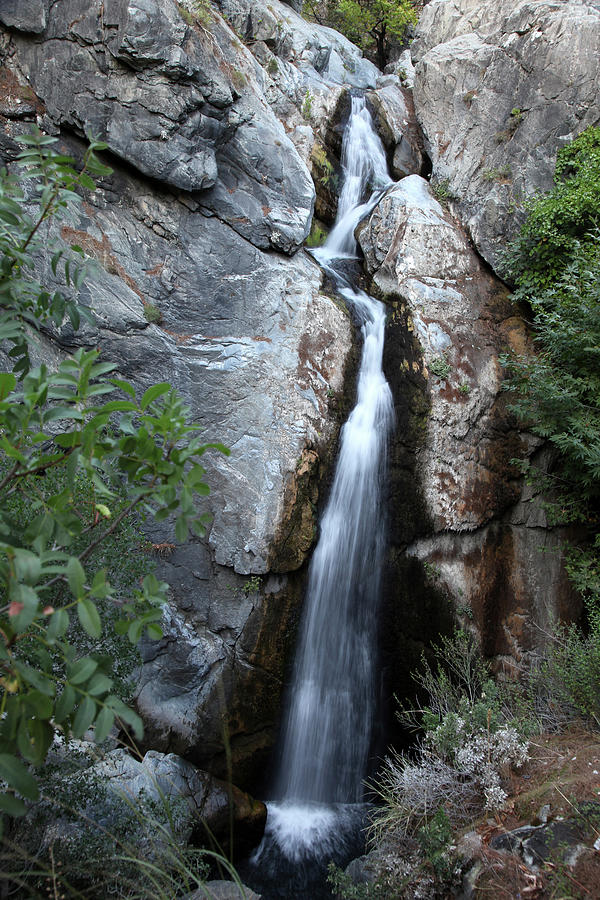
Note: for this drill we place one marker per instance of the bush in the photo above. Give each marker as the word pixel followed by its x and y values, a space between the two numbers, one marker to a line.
pixel 87 838
pixel 559 220
pixel 471 739
pixel 564 680
pixel 62 444
pixel 555 263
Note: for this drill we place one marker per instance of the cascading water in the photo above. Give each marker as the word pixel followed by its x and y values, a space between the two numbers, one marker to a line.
pixel 327 733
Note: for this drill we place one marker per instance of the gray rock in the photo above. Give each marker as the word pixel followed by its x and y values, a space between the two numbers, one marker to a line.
pixel 487 552
pixel 245 333
pixel 193 798
pixel 396 124
pixel 224 890
pixel 155 804
pixel 24 15
pixel 322 54
pixel 536 844
pixel 500 86
pixel 189 118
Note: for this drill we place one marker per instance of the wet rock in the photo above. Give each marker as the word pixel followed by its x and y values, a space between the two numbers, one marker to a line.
pixel 486 540
pixel 397 126
pixel 499 87
pixel 223 890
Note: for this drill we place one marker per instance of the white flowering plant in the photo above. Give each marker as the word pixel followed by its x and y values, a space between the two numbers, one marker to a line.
pixel 469 741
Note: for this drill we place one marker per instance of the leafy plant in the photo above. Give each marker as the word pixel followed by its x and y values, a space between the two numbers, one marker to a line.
pixel 440 367
pixel 195 12
pixel 442 191
pixel 373 24
pixel 307 105
pixel 135 454
pixel 558 222
pixel 152 314
pixel 500 174
pixel 88 837
pixel 555 264
pixel 563 680
pixel 434 839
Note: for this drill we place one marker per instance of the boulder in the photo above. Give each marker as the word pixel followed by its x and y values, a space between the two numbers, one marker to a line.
pixel 397 126
pixel 196 801
pixel 499 87
pixel 223 890
pixel 151 807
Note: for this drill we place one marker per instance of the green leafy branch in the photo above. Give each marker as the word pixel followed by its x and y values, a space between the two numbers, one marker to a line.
pixel 81 421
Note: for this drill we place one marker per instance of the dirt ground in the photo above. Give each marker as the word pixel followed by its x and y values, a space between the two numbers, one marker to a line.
pixel 560 783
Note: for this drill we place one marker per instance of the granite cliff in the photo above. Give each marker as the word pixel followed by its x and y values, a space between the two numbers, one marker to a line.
pixel 224 137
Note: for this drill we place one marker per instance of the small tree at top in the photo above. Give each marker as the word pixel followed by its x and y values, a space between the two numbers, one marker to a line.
pixel 371 24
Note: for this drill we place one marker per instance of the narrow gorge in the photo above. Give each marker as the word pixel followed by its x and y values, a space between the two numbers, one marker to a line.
pixel 309 250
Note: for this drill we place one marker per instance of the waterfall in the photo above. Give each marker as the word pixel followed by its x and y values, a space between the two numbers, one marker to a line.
pixel 329 722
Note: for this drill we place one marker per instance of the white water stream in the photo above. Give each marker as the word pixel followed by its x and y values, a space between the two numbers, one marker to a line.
pixel 329 723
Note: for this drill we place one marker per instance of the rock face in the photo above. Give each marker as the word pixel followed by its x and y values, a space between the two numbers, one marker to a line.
pixel 199 230
pixel 481 542
pixel 199 226
pixel 197 800
pixel 499 87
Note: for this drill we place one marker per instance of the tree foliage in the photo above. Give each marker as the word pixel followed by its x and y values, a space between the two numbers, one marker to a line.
pixel 555 263
pixel 60 429
pixel 370 24
pixel 559 223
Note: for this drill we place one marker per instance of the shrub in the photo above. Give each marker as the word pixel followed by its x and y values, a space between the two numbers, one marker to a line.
pixel 307 105
pixel 470 742
pixel 441 190
pixel 61 440
pixel 564 680
pixel 555 264
pixel 87 838
pixel 440 367
pixel 558 220
pixel 152 314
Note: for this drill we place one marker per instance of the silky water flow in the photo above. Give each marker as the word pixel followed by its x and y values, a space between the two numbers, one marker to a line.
pixel 317 809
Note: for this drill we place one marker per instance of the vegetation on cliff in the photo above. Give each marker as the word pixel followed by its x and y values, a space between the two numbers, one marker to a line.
pixel 555 264
pixel 492 747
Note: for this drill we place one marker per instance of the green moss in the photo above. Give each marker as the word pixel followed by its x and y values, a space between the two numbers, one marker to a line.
pixel 317 235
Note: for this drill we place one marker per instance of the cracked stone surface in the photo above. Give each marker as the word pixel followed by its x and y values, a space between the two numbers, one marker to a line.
pixel 201 221
pixel 488 547
pixel 499 87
